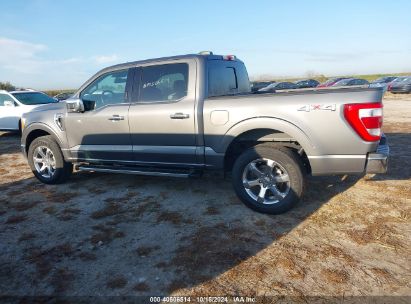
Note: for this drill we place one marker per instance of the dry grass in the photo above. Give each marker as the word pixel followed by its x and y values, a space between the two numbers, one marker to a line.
pixel 141 287
pixel 87 256
pixel 27 236
pixel 15 219
pixel 109 209
pixel 143 251
pixel 176 218
pixel 105 234
pixel 335 275
pixel 117 282
pixel 45 259
pixel 61 280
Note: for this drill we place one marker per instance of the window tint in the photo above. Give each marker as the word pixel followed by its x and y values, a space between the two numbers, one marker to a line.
pixel 222 80
pixel 108 89
pixel 166 82
pixel 3 98
pixel 226 78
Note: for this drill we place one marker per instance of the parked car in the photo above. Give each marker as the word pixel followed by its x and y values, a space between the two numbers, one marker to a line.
pixel 179 116
pixel 383 82
pixel 63 96
pixel 278 86
pixel 308 83
pixel 255 86
pixel 14 104
pixel 401 85
pixel 330 82
pixel 350 82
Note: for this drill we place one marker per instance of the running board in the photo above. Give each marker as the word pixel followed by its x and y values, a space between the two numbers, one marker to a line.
pixel 140 171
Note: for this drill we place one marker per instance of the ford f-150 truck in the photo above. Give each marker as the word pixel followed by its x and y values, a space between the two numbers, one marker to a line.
pixel 179 116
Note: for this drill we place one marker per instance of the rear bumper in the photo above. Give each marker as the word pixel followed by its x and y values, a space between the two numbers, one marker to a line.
pixel 377 162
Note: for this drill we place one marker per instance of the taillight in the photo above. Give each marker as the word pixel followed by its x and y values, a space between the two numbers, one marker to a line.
pixel 365 119
pixel 229 57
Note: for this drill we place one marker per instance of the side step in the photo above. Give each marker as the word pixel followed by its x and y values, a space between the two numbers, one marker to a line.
pixel 184 173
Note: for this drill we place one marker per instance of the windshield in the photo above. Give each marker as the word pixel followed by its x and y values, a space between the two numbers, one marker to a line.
pixel 33 98
pixel 342 82
pixel 332 80
pixel 384 80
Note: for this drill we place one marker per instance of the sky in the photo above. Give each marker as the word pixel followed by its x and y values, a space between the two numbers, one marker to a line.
pixel 48 44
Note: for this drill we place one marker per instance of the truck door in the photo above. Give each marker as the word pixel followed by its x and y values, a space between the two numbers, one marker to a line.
pixel 101 132
pixel 162 114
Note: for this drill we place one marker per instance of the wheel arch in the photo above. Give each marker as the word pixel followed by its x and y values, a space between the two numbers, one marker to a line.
pixel 36 130
pixel 264 130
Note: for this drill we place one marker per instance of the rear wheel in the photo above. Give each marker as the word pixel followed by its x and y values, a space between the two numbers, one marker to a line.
pixel 268 180
pixel 46 161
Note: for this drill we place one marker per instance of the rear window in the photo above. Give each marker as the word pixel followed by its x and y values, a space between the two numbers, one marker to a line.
pixel 227 78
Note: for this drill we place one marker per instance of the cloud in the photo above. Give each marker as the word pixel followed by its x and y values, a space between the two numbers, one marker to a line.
pixel 19 55
pixel 16 49
pixel 29 64
pixel 106 58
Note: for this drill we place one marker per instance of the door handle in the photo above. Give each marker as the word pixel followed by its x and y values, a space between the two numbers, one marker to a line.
pixel 116 118
pixel 179 116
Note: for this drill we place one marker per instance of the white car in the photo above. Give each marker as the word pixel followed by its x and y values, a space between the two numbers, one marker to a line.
pixel 14 104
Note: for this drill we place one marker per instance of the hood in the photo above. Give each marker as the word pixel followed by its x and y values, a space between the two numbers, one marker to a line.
pixel 58 106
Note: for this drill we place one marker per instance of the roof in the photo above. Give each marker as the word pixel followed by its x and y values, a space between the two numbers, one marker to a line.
pixel 202 55
pixel 23 91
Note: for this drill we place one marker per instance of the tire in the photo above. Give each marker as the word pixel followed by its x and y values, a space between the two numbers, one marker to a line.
pixel 279 175
pixel 54 164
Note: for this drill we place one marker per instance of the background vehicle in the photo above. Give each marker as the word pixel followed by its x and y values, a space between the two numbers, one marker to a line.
pixel 350 82
pixel 178 116
pixel 63 96
pixel 308 83
pixel 383 82
pixel 277 86
pixel 401 85
pixel 256 85
pixel 330 82
pixel 14 104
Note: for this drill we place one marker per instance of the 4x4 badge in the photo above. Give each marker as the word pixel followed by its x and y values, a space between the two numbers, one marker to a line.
pixel 315 107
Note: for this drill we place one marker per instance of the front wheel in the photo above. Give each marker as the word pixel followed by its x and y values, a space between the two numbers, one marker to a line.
pixel 46 161
pixel 268 179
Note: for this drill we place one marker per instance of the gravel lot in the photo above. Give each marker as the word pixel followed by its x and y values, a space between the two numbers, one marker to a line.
pixel 104 234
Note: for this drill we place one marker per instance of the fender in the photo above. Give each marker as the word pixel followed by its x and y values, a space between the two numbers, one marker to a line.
pixel 266 123
pixel 59 138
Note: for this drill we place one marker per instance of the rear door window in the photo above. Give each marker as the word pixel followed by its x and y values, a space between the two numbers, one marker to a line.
pixel 162 83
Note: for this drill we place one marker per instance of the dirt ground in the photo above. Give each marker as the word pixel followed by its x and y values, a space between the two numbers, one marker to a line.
pixel 103 234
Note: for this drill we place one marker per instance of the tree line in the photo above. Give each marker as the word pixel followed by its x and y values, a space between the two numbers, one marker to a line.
pixel 7 86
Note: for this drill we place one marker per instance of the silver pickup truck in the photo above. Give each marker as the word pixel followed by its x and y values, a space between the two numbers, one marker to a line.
pixel 179 116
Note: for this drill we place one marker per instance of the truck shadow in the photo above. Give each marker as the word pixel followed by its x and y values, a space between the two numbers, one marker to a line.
pixel 10 142
pixel 399 164
pixel 168 233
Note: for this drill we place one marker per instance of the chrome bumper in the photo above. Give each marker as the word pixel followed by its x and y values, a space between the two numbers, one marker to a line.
pixel 377 162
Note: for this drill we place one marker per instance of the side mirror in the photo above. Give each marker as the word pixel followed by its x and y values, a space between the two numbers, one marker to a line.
pixel 75 106
pixel 8 103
